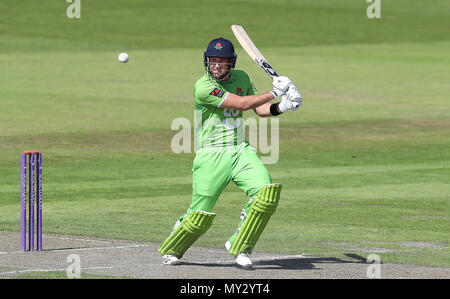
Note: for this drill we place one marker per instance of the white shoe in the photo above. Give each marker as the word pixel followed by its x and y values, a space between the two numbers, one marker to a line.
pixel 228 245
pixel 170 259
pixel 243 260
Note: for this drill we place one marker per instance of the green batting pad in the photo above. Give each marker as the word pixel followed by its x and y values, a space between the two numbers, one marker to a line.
pixel 191 228
pixel 258 216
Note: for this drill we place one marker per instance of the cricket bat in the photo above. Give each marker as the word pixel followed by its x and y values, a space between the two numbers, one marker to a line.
pixel 253 51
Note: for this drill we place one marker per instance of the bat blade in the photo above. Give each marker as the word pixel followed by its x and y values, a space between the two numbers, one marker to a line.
pixel 254 53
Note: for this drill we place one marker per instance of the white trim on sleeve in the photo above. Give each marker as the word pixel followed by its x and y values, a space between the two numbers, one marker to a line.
pixel 223 99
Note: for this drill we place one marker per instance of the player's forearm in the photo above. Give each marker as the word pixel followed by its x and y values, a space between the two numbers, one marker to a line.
pixel 244 103
pixel 254 101
pixel 264 110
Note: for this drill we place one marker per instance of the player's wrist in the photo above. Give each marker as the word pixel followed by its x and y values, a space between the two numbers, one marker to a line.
pixel 274 94
pixel 274 110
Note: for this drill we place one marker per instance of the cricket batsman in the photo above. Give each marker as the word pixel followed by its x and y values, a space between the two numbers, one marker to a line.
pixel 223 155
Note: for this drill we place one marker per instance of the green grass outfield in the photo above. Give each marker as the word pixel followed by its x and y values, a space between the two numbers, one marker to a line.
pixel 365 163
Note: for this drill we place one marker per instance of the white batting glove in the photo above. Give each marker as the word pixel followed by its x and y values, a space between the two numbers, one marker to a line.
pixel 285 104
pixel 291 100
pixel 295 97
pixel 296 106
pixel 280 85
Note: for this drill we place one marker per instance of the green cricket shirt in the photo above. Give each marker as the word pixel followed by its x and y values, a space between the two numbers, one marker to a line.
pixel 218 127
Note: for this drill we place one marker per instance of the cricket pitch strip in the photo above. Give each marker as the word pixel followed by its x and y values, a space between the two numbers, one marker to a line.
pixel 117 258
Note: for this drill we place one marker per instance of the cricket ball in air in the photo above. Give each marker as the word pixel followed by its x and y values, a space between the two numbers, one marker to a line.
pixel 123 57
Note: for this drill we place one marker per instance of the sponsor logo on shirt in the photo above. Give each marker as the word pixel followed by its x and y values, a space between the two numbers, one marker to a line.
pixel 217 92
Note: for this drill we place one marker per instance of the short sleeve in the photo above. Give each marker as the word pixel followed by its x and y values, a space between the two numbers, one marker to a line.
pixel 207 94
